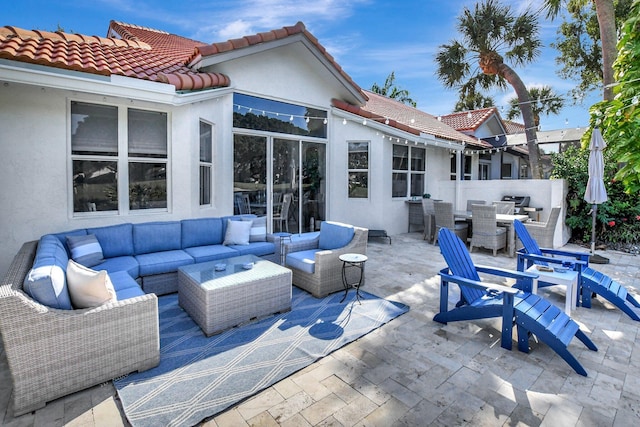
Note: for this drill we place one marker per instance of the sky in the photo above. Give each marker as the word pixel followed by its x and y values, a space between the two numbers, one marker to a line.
pixel 368 38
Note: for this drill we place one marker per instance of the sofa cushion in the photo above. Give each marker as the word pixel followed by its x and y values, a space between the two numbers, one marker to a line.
pixel 116 240
pixel 127 264
pixel 85 250
pixel 158 236
pixel 89 288
pixel 201 232
pixel 255 248
pixel 238 233
pixel 125 286
pixel 334 235
pixel 211 252
pixel 63 237
pixel 46 282
pixel 303 260
pixel 258 232
pixel 163 262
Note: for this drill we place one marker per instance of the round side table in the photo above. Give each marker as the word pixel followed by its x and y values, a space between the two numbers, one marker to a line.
pixel 352 261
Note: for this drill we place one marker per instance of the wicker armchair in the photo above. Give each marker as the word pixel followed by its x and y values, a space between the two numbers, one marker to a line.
pixel 486 233
pixel 445 219
pixel 543 232
pixel 52 353
pixel 327 277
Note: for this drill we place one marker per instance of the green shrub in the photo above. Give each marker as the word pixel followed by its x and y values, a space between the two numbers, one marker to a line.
pixel 618 219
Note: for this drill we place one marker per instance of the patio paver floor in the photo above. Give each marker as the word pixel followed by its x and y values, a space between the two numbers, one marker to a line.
pixel 416 372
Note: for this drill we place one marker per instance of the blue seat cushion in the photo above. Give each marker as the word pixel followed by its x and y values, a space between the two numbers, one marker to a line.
pixel 163 262
pixel 46 282
pixel 210 252
pixel 150 237
pixel 334 235
pixel 127 264
pixel 201 232
pixel 255 248
pixel 125 286
pixel 303 260
pixel 115 240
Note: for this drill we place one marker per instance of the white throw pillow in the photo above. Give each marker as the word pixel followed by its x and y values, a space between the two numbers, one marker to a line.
pixel 88 288
pixel 238 232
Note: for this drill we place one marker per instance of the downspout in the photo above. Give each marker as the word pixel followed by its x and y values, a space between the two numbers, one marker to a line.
pixel 459 172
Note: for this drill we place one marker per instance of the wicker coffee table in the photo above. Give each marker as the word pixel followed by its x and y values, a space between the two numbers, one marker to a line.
pixel 218 300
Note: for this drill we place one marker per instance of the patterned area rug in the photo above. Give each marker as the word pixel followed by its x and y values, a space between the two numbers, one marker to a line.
pixel 199 377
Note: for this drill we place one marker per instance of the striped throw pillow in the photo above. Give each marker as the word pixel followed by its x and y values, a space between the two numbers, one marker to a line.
pixel 85 250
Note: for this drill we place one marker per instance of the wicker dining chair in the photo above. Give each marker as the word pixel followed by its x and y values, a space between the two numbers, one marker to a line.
pixel 429 216
pixel 506 208
pixel 486 233
pixel 445 219
pixel 470 203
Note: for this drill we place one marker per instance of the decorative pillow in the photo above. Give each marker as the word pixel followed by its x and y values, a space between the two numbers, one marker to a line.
pixel 238 232
pixel 89 288
pixel 85 250
pixel 258 229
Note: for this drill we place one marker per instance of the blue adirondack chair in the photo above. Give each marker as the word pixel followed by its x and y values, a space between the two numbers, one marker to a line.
pixel 531 313
pixel 589 280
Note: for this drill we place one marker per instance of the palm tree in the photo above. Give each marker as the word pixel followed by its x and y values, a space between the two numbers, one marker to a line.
pixel 390 90
pixel 492 34
pixel 543 101
pixel 607 22
pixel 472 100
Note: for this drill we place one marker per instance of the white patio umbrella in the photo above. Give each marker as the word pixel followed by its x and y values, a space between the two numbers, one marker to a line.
pixel 595 192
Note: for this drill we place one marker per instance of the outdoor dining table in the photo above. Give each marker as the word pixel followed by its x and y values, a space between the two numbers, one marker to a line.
pixel 503 220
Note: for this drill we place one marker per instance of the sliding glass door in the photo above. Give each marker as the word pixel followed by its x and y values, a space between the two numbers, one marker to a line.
pixel 289 189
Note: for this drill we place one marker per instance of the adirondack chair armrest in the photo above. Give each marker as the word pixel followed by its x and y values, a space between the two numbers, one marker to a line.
pixel 444 273
pixel 581 256
pixel 503 272
pixel 531 258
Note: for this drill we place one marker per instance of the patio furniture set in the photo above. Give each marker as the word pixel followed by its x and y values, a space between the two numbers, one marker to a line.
pixel 79 308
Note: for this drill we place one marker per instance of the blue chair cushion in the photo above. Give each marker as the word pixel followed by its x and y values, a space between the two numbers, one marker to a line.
pixel 303 260
pixel 201 232
pixel 125 286
pixel 158 236
pixel 46 282
pixel 128 264
pixel 334 235
pixel 163 262
pixel 85 250
pixel 116 240
pixel 211 252
pixel 255 248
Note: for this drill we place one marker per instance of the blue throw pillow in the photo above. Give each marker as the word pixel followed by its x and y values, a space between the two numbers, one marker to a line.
pixel 85 250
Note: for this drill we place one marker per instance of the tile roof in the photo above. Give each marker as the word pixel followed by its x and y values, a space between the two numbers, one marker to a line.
pixel 468 120
pixel 513 127
pixel 130 51
pixel 406 118
pixel 203 51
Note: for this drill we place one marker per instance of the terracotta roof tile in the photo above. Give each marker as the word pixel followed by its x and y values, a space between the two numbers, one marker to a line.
pixel 513 127
pixel 468 120
pixel 130 51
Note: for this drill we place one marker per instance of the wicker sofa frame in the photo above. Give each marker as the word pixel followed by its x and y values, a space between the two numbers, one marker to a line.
pixel 52 353
pixel 327 277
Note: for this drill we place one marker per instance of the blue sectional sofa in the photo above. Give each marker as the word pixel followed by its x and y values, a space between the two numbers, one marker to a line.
pixel 54 349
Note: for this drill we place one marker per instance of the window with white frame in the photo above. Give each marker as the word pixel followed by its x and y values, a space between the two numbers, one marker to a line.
pixel 358 170
pixel 466 167
pixel 206 162
pixel 102 157
pixel 408 171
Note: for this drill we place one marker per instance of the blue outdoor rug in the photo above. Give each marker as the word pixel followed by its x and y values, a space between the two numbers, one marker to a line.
pixel 199 377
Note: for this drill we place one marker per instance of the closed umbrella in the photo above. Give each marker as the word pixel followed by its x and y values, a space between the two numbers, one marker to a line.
pixel 595 192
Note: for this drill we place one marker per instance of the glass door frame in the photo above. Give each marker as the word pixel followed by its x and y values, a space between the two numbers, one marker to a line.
pixel 302 144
